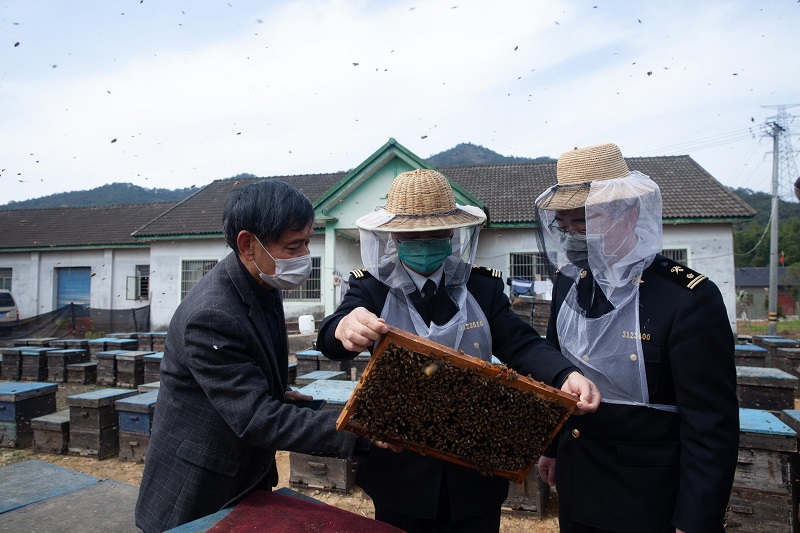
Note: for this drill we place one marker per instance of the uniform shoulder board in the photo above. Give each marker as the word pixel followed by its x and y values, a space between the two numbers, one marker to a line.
pixel 680 274
pixel 359 273
pixel 486 271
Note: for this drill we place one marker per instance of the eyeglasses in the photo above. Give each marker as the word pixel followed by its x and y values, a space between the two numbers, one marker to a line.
pixel 563 232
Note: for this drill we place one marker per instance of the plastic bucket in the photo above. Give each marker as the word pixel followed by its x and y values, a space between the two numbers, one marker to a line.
pixel 306 324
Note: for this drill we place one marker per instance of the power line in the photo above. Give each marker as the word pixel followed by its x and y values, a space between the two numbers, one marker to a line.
pixel 705 142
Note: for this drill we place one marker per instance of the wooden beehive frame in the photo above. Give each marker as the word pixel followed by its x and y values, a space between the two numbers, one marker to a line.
pixel 462 361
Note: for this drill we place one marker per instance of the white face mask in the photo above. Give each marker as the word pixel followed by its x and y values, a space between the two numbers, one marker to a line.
pixel 289 273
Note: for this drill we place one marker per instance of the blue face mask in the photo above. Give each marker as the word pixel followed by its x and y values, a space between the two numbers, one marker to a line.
pixel 424 256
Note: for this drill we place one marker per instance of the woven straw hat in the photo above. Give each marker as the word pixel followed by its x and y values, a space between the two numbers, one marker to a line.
pixel 577 168
pixel 422 200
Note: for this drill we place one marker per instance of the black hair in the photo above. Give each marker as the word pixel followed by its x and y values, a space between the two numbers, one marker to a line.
pixel 267 209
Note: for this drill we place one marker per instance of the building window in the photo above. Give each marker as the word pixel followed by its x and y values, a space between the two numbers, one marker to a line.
pixel 192 272
pixel 5 278
pixel 678 255
pixel 142 282
pixel 312 288
pixel 531 266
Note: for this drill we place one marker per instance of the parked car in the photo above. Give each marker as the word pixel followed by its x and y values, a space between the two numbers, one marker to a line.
pixel 8 307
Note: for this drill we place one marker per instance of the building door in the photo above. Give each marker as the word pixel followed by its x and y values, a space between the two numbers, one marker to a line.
pixel 74 286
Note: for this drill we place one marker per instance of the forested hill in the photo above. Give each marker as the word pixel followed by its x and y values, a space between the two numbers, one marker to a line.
pixel 112 194
pixel 465 154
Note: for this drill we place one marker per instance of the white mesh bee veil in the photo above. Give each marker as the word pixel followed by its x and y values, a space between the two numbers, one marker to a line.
pixel 622 237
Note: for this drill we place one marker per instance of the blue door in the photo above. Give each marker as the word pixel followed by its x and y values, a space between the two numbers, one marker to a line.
pixel 74 286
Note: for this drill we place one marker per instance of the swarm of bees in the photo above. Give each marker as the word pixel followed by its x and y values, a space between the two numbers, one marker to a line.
pixel 428 403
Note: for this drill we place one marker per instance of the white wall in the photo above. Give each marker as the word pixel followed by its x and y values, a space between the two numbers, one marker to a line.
pixel 710 248
pixel 166 259
pixel 165 276
pixel 34 279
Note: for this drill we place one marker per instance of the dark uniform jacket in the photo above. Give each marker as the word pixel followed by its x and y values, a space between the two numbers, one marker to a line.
pixel 632 469
pixel 409 483
pixel 220 414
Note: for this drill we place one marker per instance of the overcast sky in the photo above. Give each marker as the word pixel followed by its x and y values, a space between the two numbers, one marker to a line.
pixel 171 94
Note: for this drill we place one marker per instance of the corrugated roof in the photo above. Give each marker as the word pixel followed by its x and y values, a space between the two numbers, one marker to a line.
pixel 687 190
pixel 75 226
pixel 201 213
pixel 759 277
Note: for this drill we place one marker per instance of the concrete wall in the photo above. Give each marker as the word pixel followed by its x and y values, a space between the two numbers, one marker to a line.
pixel 166 260
pixel 34 278
pixel 710 252
pixel 165 278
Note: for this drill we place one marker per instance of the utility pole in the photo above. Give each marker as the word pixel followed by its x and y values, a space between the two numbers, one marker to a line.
pixel 772 314
pixel 779 137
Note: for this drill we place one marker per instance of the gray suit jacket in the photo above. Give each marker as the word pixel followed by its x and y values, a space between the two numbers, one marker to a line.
pixel 220 414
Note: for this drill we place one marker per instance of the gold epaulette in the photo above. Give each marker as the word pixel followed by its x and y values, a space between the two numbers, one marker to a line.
pixel 680 274
pixel 487 271
pixel 359 273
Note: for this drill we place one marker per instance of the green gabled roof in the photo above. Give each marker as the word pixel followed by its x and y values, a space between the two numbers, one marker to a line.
pixel 379 159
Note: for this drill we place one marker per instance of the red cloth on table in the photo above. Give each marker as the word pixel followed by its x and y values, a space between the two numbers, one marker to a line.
pixel 266 511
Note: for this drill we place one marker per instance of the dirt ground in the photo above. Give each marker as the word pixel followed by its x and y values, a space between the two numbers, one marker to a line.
pixel 355 501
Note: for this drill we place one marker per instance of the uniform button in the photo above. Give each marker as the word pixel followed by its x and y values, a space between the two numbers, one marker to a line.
pixel 576 433
pixel 583 274
pixel 476 345
pixel 634 357
pixel 586 357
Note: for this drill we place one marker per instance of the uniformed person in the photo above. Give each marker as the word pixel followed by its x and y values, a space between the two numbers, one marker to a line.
pixel 660 452
pixel 419 275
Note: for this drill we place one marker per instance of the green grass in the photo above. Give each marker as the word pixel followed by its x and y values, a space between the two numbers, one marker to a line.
pixel 786 328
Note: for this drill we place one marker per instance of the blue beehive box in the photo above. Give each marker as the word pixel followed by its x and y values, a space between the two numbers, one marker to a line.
pixel 750 355
pixel 307 361
pixel 135 421
pixel 317 375
pixel 763 496
pixel 334 392
pixel 51 433
pixel 152 366
pixel 122 344
pixel 159 338
pixel 94 422
pixel 19 404
pixel 58 360
pixel 359 365
pixel 12 363
pixel 41 342
pixel 130 368
pixel 99 345
pixel 769 389
pixel 136 412
pixel 107 367
pixel 95 410
pixel 34 363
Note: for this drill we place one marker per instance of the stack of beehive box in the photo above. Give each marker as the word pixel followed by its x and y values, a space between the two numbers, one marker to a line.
pixel 94 422
pixel 19 404
pixel 764 495
pixel 59 360
pixel 135 422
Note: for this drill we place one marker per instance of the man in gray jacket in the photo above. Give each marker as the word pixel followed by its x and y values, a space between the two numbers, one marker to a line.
pixel 224 406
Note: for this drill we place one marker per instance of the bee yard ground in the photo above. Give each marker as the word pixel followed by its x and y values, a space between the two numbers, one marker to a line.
pixel 450 405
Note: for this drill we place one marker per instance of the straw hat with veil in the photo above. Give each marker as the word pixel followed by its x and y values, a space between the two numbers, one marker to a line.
pixel 622 214
pixel 421 209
